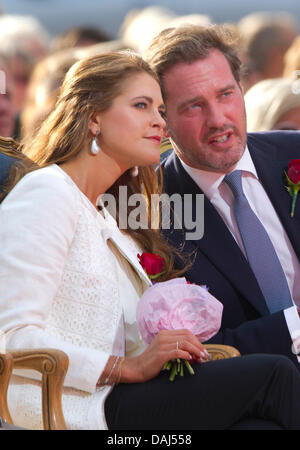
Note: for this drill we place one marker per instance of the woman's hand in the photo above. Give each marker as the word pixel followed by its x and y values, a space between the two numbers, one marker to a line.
pixel 162 349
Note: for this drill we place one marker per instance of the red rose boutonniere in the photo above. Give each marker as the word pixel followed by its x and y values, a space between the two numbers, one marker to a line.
pixel 293 181
pixel 152 264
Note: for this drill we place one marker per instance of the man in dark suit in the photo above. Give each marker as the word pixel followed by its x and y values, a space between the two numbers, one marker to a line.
pixel 199 72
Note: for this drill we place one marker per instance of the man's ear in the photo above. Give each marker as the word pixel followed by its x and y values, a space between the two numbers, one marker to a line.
pixel 95 123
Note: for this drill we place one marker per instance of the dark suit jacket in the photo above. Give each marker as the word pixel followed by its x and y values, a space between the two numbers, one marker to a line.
pixel 220 264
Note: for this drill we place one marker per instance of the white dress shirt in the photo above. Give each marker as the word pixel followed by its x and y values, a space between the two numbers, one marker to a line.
pixel 221 196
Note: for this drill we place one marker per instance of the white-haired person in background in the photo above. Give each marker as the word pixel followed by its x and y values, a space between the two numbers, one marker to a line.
pixel 140 26
pixel 273 104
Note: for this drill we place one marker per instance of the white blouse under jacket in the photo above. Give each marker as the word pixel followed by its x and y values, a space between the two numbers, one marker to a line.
pixel 71 280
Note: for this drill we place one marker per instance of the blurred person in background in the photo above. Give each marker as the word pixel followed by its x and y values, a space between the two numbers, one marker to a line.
pixel 273 105
pixel 23 42
pixel 78 37
pixel 141 26
pixel 292 60
pixel 194 19
pixel 7 116
pixel 101 47
pixel 264 38
pixel 43 90
pixel 46 80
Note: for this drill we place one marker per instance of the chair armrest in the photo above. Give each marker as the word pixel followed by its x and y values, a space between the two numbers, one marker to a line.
pixel 6 365
pixel 53 365
pixel 217 351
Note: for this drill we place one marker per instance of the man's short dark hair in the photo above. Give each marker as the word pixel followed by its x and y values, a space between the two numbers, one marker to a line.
pixel 187 44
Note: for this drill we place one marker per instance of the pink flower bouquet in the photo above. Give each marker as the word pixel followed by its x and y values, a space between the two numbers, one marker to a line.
pixel 176 304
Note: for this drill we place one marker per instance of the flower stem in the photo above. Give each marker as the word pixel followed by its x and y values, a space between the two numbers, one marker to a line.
pixel 294 198
pixel 173 372
pixel 189 367
pixel 167 365
pixel 177 368
pixel 181 369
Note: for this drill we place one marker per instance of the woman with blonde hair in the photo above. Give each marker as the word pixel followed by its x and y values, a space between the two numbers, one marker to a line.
pixel 73 280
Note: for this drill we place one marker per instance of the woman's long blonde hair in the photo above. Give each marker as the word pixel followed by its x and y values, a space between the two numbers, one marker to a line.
pixel 91 85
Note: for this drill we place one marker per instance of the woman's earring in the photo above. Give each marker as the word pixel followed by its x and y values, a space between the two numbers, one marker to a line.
pixel 134 171
pixel 95 147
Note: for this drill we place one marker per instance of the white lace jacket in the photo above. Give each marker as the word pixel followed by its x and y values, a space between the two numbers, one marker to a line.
pixel 69 279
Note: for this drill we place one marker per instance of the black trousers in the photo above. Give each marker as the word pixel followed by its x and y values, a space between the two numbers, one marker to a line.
pixel 249 392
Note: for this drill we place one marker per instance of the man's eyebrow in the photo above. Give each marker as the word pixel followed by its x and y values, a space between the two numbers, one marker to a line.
pixel 200 98
pixel 226 88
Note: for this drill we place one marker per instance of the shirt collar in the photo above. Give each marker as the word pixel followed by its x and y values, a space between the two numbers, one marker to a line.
pixel 209 182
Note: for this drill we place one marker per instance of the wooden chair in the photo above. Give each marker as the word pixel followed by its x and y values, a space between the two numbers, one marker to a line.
pixel 53 365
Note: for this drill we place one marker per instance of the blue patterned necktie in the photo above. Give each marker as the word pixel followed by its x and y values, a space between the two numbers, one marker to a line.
pixel 260 252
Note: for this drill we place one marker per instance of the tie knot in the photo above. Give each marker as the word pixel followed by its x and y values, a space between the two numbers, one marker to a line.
pixel 234 181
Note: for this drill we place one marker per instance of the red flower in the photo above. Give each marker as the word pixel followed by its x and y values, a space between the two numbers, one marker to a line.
pixel 152 264
pixel 294 170
pixel 293 181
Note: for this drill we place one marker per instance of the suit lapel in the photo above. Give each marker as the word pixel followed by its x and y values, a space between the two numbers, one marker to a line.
pixel 270 171
pixel 217 242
